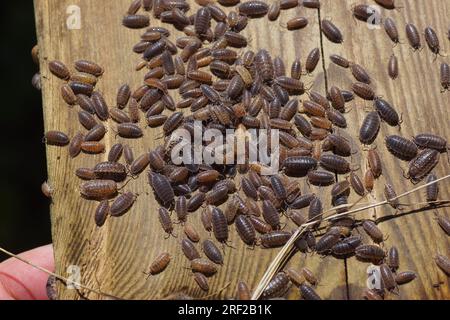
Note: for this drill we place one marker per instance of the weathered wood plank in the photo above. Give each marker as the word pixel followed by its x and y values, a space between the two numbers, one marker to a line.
pixel 415 94
pixel 113 257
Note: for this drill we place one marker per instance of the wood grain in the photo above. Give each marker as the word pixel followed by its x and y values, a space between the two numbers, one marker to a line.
pixel 416 95
pixel 112 258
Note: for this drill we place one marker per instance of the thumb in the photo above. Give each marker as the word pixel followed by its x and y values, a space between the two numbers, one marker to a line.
pixel 20 281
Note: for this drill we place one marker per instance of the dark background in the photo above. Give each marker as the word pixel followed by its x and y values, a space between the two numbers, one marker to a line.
pixel 25 218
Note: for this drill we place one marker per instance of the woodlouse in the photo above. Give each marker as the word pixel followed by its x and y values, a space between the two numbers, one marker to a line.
pixel 391 29
pixel 56 138
pixel 393 259
pixel 405 277
pixel 332 32
pixel 387 112
pixel 308 293
pixel 245 229
pixel 203 266
pixel 122 204
pixel 275 238
pixel 370 253
pixel 212 252
pixel 59 69
pixel 98 189
pixel 312 60
pixel 159 264
pixel 443 263
pixel 373 231
pixel 101 213
pixel 413 36
pixel 89 67
pixel 401 147
pixel 189 250
pixel 165 220
pixel 420 166
pixel 445 76
pixel 432 40
pixel 162 188
pixel 369 128
pixel 75 145
pixel 253 8
pixel 277 286
pixel 393 67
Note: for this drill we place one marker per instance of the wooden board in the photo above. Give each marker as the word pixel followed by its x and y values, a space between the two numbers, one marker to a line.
pixel 416 95
pixel 113 257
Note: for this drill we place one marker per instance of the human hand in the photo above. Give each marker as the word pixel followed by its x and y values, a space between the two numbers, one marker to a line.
pixel 20 281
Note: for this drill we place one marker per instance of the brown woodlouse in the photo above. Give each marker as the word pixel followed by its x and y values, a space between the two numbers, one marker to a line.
pixel 189 250
pixel 331 31
pixel 444 223
pixel 203 266
pixel 98 189
pixel 46 189
pixel 420 166
pixel 443 263
pixel 432 191
pixel 326 242
pixel 56 138
pixel 162 188
pixel 165 220
pixel 335 163
pixel 308 293
pixel 253 8
pixel 357 184
pixel 391 195
pixel 312 60
pixel 431 141
pixel 413 36
pixel 373 231
pixel 122 204
pixel 219 224
pixel 136 21
pixel 277 286
pixel 243 292
pixel 340 61
pixel 388 278
pixel 75 145
pixel 401 147
pixel 275 239
pixel 110 171
pixel 270 214
pixel 159 264
pixel 321 178
pixel 369 128
pixel 296 23
pixel 115 152
pixel 393 67
pixel 101 213
pixel 445 76
pixel 363 90
pixel 89 67
pixel 391 29
pixel 245 229
pixel 96 133
pixel 190 232
pixel 212 252
pixel 393 259
pixel 405 277
pixel 59 69
pixel 387 112
pixel 370 253
pixel 432 40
